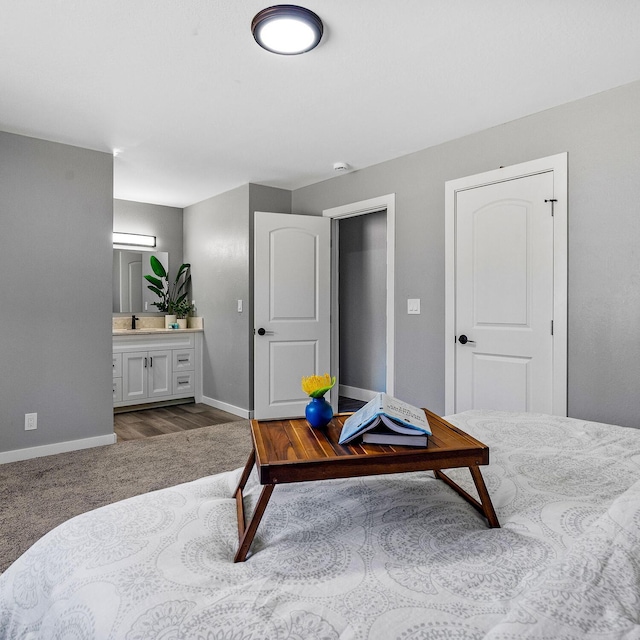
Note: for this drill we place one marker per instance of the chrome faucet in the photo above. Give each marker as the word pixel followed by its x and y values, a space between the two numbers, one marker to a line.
pixel 133 321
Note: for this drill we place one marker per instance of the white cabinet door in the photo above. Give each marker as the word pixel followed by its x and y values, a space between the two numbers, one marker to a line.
pixel 159 372
pixel 134 375
pixel 117 365
pixel 146 374
pixel 117 389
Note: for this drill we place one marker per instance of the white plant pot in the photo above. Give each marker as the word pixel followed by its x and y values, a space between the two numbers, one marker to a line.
pixel 182 323
pixel 169 320
pixel 195 322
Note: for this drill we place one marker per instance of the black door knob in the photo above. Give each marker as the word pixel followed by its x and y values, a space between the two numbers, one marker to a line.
pixel 261 331
pixel 463 339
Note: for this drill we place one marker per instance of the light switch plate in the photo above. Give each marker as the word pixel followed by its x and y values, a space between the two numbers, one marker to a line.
pixel 413 306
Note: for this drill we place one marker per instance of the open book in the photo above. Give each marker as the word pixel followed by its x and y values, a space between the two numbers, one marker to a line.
pixel 386 413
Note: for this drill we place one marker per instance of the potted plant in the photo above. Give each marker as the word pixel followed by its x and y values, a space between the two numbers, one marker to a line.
pixel 171 294
pixel 182 309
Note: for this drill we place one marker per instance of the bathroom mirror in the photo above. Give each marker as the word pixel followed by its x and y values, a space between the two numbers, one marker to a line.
pixel 130 292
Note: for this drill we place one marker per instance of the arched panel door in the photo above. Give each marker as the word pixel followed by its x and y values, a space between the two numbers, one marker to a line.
pixel 292 286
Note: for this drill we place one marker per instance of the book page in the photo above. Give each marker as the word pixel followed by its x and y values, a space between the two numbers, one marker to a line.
pixel 399 428
pixel 405 413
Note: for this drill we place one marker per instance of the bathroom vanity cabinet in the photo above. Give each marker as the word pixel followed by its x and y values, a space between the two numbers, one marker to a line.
pixel 156 365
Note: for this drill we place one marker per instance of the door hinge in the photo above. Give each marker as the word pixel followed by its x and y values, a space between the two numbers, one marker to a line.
pixel 552 201
pixel 552 327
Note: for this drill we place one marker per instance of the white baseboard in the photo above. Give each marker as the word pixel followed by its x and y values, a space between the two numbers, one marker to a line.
pixel 357 394
pixel 59 447
pixel 229 408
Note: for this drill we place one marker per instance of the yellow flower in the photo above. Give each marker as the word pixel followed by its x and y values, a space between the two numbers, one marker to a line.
pixel 317 386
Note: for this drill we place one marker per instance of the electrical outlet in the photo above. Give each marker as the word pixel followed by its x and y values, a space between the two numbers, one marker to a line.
pixel 30 421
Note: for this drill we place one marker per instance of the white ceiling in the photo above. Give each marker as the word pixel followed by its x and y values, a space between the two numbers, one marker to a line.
pixel 197 108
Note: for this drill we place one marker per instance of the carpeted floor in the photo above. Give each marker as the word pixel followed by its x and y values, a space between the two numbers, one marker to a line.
pixel 37 495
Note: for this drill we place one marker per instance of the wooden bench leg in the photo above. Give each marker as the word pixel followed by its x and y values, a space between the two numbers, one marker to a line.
pixel 485 498
pixel 485 507
pixel 247 533
pixel 246 472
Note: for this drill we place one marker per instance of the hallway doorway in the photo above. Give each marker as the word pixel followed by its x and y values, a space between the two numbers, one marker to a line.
pixel 362 344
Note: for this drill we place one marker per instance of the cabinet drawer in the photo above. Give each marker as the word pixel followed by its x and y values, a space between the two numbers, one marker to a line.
pixel 117 365
pixel 183 383
pixel 183 360
pixel 117 389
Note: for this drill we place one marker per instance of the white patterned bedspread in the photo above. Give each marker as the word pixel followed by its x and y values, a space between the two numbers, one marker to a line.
pixel 396 557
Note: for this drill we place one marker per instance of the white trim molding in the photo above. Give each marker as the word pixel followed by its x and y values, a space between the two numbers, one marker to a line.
pixel 558 165
pixel 229 408
pixel 356 393
pixel 372 205
pixel 59 447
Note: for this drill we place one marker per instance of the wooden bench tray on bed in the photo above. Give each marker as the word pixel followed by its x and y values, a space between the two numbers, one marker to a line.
pixel 291 451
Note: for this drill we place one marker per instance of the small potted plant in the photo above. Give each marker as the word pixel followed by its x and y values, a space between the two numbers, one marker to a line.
pixel 318 412
pixel 182 309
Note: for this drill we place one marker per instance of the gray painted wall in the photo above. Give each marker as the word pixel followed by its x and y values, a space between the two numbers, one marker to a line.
pixel 55 254
pixel 363 301
pixel 602 136
pixel 218 244
pixel 154 220
pixel 56 208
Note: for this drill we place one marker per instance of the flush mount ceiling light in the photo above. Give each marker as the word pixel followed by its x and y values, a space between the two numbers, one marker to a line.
pixel 287 29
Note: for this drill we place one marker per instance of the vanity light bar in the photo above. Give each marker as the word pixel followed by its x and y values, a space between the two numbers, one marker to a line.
pixel 135 239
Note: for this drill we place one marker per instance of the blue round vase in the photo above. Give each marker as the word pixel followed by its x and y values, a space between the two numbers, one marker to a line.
pixel 318 413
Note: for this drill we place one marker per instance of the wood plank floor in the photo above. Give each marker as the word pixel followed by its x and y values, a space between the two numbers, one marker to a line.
pixel 146 423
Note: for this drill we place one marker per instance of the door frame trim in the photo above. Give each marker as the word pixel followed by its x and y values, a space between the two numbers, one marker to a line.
pixel 363 207
pixel 557 164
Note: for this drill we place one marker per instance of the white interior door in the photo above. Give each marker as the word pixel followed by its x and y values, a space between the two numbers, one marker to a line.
pixel 504 296
pixel 506 289
pixel 292 286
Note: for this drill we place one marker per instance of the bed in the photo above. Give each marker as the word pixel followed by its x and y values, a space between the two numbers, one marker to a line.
pixel 394 557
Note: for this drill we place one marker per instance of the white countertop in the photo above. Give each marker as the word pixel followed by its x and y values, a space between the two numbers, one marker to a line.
pixel 141 332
